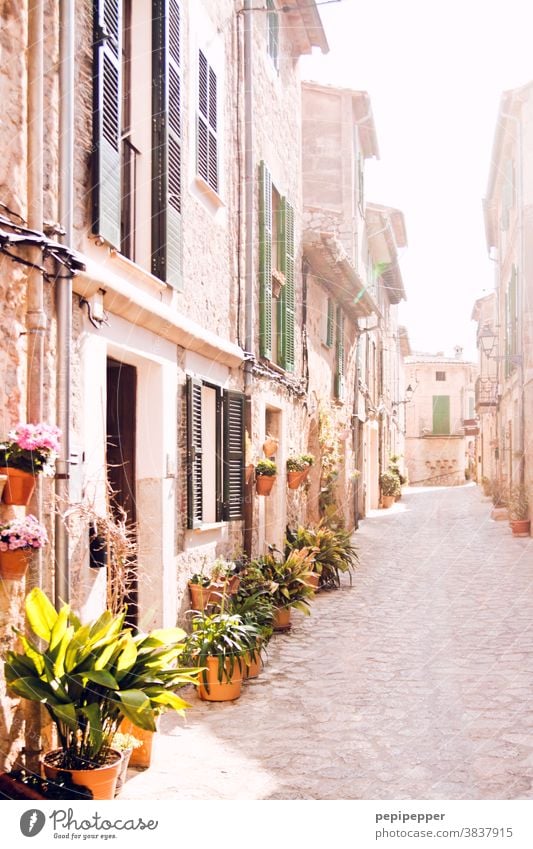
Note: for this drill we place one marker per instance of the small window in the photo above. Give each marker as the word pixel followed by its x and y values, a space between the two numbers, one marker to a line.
pixel 329 316
pixel 207 141
pixel 440 375
pixel 273 33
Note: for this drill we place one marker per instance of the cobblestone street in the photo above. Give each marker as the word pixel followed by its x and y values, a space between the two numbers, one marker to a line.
pixel 417 682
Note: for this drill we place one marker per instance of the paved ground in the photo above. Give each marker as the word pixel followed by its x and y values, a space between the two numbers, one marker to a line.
pixel 415 683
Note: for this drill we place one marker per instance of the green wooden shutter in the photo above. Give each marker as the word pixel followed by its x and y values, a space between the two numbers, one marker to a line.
pixel 330 323
pixel 167 241
pixel 233 457
pixel 107 95
pixel 339 357
pixel 286 300
pixel 265 262
pixel 194 453
pixel 207 121
pixel 441 415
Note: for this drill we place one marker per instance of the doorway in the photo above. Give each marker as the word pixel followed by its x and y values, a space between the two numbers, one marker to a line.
pixel 120 467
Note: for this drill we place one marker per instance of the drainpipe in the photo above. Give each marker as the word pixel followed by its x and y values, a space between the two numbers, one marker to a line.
pixel 249 312
pixel 35 315
pixel 63 290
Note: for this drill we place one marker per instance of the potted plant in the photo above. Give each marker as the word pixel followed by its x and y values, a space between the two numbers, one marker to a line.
pixel 217 645
pixel 518 511
pixel 30 450
pixel 88 677
pixel 390 488
pixel 332 548
pixel 288 583
pixel 265 475
pixel 208 590
pixel 298 466
pixel 254 604
pixel 19 538
pixel 126 745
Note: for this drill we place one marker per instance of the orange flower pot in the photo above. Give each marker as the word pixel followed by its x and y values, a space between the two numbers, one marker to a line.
pixel 282 619
pixel 101 781
pixel 296 479
pixel 141 757
pixel 14 564
pixel 264 484
pixel 19 486
pixel 220 691
pixel 313 580
pixel 253 664
pixel 520 527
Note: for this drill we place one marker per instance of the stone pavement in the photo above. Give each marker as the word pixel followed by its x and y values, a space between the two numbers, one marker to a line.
pixel 415 683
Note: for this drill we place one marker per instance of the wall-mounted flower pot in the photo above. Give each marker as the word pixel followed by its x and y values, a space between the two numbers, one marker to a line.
pixel 264 484
pixel 14 564
pixel 19 486
pixel 270 446
pixel 296 479
pixel 520 527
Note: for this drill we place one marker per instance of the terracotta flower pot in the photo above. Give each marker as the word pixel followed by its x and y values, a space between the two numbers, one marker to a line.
pixel 313 580
pixel 520 527
pixel 264 484
pixel 270 446
pixel 387 501
pixel 253 664
pixel 126 755
pixel 14 564
pixel 282 619
pixel 19 486
pixel 200 596
pixel 296 479
pixel 141 757
pixel 101 781
pixel 220 691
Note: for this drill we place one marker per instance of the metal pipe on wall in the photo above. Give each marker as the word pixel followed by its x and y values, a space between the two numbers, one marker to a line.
pixel 35 315
pixel 249 311
pixel 63 290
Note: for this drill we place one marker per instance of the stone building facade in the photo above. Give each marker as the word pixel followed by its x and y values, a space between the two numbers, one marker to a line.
pixel 440 445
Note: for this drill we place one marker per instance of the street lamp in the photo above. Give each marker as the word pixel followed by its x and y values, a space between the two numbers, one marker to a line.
pixel 487 340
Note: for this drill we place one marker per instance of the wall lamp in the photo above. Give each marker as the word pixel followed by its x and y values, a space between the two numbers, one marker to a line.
pixel 487 341
pixel 409 392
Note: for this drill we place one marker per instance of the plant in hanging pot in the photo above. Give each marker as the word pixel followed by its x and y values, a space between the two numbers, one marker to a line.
pixel 217 645
pixel 287 579
pixel 19 538
pixel 89 677
pixel 298 466
pixel 30 450
pixel 518 505
pixel 265 475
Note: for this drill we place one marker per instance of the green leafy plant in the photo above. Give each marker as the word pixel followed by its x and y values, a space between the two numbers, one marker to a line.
pixel 518 504
pixel 332 548
pixel 266 467
pixel 225 636
pixel 88 677
pixel 286 579
pixel 390 484
pixel 299 462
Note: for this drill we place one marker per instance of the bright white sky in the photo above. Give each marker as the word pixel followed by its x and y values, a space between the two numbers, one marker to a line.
pixel 435 72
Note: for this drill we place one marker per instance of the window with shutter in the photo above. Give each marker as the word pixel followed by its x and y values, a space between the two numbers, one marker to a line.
pixel 107 93
pixel 511 323
pixel 441 415
pixel 194 453
pixel 273 33
pixel 207 140
pixel 265 262
pixel 286 301
pixel 339 357
pixel 233 443
pixel 330 323
pixel 166 142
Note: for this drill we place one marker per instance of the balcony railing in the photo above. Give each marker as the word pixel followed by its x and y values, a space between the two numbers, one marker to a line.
pixel 486 393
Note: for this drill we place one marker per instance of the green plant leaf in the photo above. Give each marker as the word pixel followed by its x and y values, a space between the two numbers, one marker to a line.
pixel 135 705
pixel 41 613
pixel 66 713
pixel 33 689
pixel 99 676
pixel 59 628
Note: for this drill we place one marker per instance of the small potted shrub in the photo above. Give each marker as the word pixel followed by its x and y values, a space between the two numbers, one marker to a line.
pixel 390 488
pixel 288 582
pixel 298 466
pixel 19 538
pixel 217 645
pixel 30 450
pixel 254 604
pixel 332 548
pixel 209 590
pixel 89 677
pixel 519 511
pixel 265 475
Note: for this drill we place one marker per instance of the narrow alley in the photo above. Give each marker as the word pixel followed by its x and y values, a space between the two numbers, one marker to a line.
pixel 416 682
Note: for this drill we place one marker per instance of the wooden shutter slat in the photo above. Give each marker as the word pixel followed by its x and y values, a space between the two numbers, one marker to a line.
pixel 330 323
pixel 107 95
pixel 233 460
pixel 206 124
pixel 194 453
pixel 167 252
pixel 265 262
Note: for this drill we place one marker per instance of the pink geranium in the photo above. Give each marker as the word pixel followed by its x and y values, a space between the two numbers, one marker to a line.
pixel 32 448
pixel 22 534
